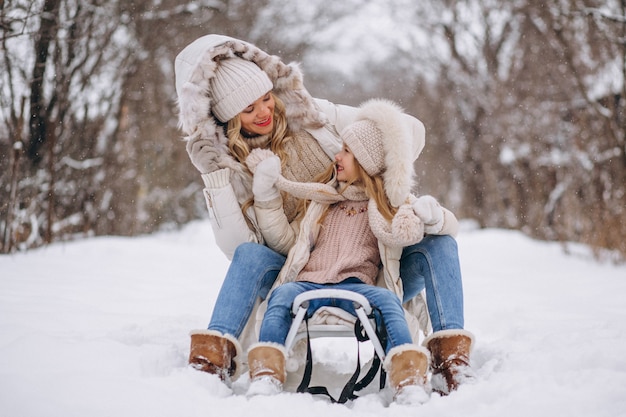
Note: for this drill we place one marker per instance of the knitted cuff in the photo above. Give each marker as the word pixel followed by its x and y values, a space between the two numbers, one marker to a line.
pixel 217 179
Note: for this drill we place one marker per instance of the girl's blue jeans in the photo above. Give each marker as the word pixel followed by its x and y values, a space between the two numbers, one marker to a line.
pixel 432 264
pixel 278 319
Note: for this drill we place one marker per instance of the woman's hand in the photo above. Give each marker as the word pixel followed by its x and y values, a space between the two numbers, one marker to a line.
pixel 203 154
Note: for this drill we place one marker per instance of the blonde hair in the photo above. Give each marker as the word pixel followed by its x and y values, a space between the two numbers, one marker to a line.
pixel 375 188
pixel 240 150
pixel 238 145
pixel 373 185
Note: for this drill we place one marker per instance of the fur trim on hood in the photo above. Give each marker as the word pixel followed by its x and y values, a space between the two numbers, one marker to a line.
pixel 398 173
pixel 195 66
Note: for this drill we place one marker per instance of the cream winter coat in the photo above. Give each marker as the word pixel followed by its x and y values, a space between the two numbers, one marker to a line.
pixel 303 242
pixel 229 187
pixel 301 236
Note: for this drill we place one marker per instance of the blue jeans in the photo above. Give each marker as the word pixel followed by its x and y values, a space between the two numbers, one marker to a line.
pixel 251 273
pixel 278 319
pixel 432 263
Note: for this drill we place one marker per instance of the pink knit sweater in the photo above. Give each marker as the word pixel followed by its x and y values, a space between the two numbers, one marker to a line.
pixel 345 247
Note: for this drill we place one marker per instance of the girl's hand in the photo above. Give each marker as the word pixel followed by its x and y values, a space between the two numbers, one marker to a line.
pixel 256 156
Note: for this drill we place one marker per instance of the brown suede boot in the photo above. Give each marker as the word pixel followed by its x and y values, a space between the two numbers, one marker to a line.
pixel 450 350
pixel 406 366
pixel 267 363
pixel 214 353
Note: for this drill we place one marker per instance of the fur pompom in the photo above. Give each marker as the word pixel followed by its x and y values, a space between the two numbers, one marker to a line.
pixel 406 226
pixel 397 142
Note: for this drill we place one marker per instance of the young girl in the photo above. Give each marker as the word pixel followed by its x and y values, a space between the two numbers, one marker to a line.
pixel 353 226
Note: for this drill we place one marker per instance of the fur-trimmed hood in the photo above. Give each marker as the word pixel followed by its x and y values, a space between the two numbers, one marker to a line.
pixel 195 66
pixel 398 173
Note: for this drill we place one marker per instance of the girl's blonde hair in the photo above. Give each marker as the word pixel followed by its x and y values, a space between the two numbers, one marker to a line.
pixel 375 188
pixel 373 185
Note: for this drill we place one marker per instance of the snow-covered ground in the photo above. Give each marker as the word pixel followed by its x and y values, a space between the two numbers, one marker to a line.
pixel 100 328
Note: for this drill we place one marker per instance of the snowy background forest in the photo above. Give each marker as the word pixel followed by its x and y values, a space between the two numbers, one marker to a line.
pixel 107 262
pixel 523 102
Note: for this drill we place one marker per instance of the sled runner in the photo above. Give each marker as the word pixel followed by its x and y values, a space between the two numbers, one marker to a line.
pixel 364 328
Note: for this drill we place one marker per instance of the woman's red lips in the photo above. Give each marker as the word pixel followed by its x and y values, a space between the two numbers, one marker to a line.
pixel 265 122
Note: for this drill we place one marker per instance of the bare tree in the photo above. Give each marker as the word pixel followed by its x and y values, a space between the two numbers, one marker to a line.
pixel 588 38
pixel 96 92
pixel 71 95
pixel 523 103
pixel 539 132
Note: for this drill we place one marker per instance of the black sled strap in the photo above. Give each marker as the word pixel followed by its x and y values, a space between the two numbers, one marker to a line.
pixel 352 385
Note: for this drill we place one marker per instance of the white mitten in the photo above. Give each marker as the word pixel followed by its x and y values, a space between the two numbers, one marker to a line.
pixel 431 213
pixel 203 154
pixel 265 176
pixel 256 156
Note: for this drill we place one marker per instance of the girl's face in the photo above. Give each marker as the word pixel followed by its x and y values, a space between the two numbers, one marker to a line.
pixel 346 165
pixel 258 117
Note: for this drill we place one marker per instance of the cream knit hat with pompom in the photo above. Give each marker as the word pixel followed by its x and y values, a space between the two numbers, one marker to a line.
pixel 365 140
pixel 382 144
pixel 237 84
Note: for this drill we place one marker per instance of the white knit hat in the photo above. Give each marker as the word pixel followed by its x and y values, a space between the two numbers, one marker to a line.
pixel 381 142
pixel 237 84
pixel 365 140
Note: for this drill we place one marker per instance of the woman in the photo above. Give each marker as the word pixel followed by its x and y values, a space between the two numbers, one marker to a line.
pixel 216 88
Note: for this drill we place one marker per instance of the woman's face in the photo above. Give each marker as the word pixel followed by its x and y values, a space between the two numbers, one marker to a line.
pixel 258 117
pixel 346 165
